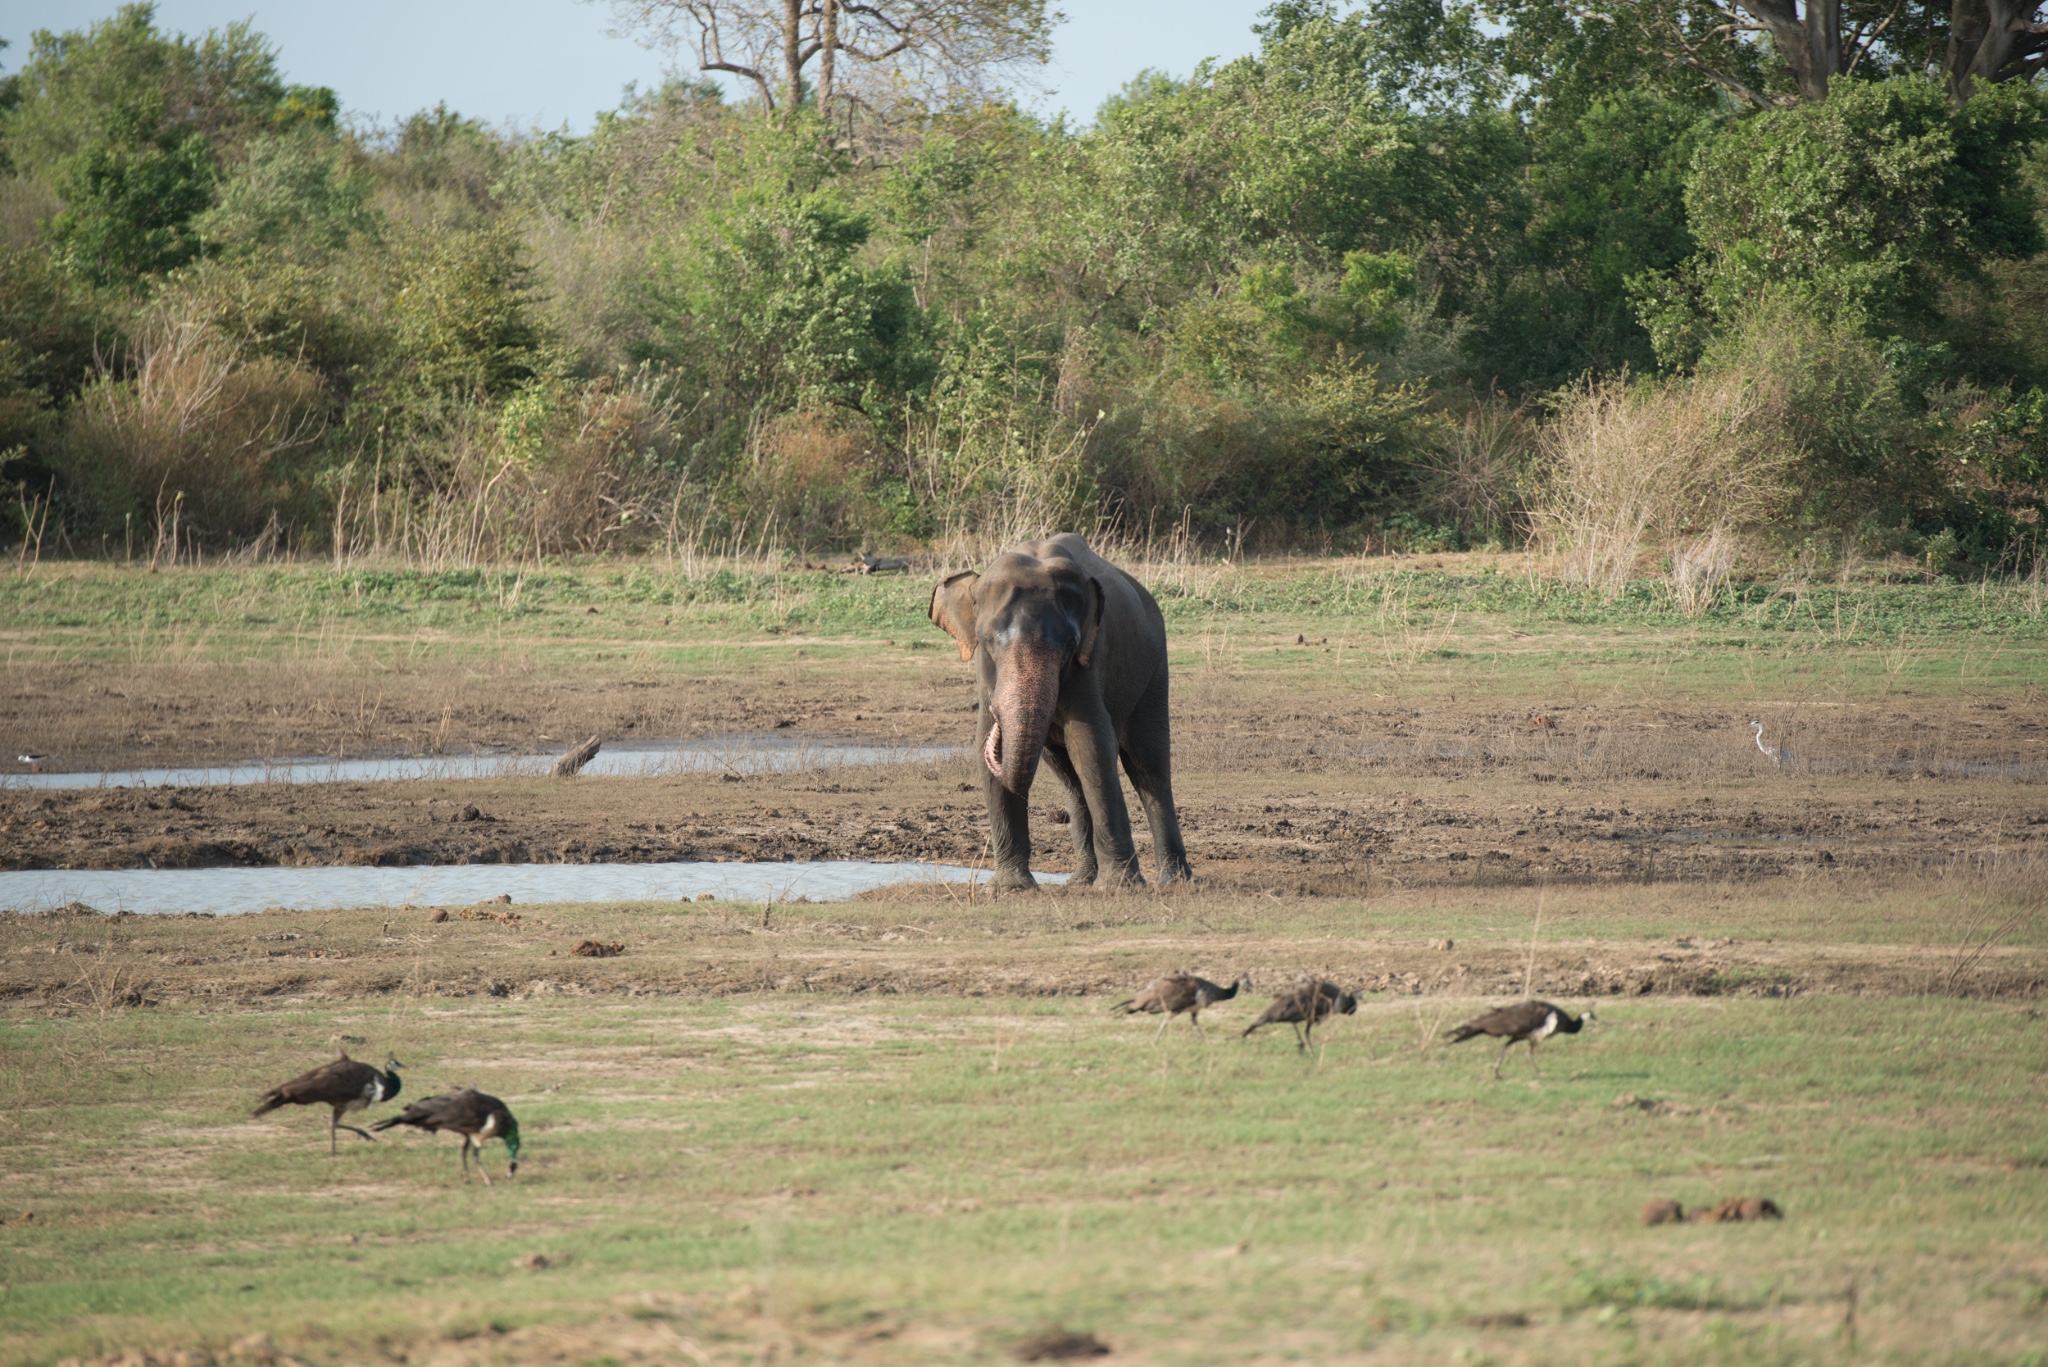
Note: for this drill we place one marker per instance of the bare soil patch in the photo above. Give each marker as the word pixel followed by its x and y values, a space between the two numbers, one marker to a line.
pixel 1044 945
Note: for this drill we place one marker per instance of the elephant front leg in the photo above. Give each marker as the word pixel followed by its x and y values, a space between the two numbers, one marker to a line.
pixel 1009 824
pixel 1091 747
pixel 1077 816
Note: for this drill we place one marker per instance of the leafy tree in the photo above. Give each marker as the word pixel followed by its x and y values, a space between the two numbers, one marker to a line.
pixel 297 190
pixel 1867 205
pixel 133 127
pixel 1768 53
pixel 1608 205
pixel 769 301
pixel 1292 153
pixel 442 167
pixel 462 314
pixel 130 198
pixel 74 85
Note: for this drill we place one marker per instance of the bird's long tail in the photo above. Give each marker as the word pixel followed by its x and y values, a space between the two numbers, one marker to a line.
pixel 1124 1005
pixel 271 1101
pixel 388 1122
pixel 1460 1033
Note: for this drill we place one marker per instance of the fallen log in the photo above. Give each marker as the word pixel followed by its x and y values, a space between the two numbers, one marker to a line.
pixel 568 765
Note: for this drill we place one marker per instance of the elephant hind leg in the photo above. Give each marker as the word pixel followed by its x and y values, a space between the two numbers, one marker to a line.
pixel 1057 759
pixel 1147 754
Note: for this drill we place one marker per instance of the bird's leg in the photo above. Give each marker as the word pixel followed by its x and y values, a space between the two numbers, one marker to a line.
pixel 1503 1058
pixel 1195 1019
pixel 1166 1019
pixel 480 1172
pixel 1532 1059
pixel 331 1124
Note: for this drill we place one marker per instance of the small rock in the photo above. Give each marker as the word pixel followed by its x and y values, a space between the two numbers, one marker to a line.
pixel 1058 1345
pixel 1663 1213
pixel 503 899
pixel 595 949
pixel 1446 945
pixel 440 915
pixel 706 897
pixel 532 1262
pixel 469 813
pixel 1511 1319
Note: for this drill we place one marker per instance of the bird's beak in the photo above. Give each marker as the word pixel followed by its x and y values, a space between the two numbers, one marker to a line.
pixel 512 1168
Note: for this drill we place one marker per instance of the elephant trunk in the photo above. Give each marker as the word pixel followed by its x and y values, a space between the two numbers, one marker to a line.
pixel 1019 716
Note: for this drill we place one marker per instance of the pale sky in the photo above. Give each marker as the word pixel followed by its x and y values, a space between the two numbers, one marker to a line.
pixel 547 62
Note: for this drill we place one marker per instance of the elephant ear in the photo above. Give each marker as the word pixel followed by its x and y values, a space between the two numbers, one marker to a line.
pixel 953 609
pixel 1087 652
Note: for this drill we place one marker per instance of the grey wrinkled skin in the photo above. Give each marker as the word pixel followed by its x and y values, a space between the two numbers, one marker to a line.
pixel 1070 663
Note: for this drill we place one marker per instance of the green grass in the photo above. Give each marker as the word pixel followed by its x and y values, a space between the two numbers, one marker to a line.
pixel 1392 630
pixel 988 1166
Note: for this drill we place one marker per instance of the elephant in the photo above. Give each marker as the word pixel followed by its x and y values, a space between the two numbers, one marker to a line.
pixel 1070 656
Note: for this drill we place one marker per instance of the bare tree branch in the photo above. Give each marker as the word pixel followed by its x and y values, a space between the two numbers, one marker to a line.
pixel 934 51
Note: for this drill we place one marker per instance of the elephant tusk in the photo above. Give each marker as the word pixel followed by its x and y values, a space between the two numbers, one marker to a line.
pixel 992 752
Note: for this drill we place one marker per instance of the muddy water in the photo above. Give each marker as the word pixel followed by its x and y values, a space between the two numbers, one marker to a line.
pixel 764 752
pixel 229 892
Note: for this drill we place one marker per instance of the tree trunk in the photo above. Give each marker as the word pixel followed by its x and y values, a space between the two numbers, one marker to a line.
pixel 792 54
pixel 1809 41
pixel 828 45
pixel 1991 40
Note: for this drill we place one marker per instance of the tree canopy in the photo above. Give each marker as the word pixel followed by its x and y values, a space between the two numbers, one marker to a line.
pixel 1336 290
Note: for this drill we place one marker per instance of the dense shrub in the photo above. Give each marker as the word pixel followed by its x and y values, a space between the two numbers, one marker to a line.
pixel 1400 277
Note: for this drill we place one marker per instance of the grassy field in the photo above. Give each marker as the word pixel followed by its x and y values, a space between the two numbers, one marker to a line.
pixel 905 1176
pixel 906 1129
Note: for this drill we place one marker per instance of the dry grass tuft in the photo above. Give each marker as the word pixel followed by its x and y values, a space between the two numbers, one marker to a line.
pixel 196 440
pixel 1632 470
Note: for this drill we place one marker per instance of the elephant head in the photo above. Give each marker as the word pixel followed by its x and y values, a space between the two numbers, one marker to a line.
pixel 1030 622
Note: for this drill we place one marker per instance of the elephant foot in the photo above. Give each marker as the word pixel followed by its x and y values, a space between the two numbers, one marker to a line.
pixel 1177 872
pixel 1083 874
pixel 1120 879
pixel 1013 880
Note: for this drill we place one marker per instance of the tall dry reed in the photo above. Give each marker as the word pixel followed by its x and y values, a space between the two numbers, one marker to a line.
pixel 1682 469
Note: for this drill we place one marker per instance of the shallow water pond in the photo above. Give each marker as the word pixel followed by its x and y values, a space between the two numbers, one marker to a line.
pixel 762 752
pixel 233 891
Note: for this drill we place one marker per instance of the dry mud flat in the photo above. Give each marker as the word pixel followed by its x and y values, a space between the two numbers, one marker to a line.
pixel 1290 802
pixel 1282 832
